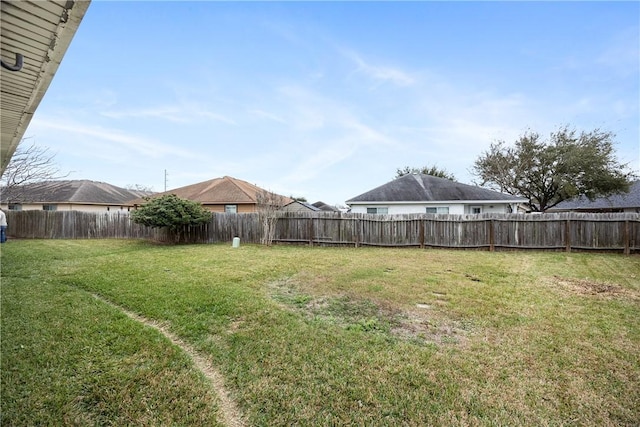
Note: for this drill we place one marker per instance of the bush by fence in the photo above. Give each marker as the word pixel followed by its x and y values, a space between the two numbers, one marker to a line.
pixel 564 231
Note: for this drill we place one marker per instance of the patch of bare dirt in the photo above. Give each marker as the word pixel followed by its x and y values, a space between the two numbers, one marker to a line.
pixel 589 287
pixel 235 325
pixel 423 323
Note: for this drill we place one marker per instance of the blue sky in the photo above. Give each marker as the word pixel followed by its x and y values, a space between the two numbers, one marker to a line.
pixel 326 100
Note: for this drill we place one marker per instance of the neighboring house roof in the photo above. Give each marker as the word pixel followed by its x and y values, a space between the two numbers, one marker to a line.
pixel 628 200
pixel 428 188
pixel 324 207
pixel 68 191
pixel 225 190
pixel 302 205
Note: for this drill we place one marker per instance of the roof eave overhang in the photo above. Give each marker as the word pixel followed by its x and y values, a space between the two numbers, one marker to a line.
pixel 46 65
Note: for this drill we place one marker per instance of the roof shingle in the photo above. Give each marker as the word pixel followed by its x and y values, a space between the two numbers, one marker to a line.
pixel 68 191
pixel 225 190
pixel 627 200
pixel 428 188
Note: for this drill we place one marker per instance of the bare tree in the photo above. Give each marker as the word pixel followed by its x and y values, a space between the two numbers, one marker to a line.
pixel 140 190
pixel 30 163
pixel 269 206
pixel 139 187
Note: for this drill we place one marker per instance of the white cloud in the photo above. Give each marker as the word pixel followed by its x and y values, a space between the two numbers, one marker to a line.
pixel 379 73
pixel 142 146
pixel 351 137
pixel 323 132
pixel 622 54
pixel 181 113
pixel 105 98
pixel 172 114
pixel 267 115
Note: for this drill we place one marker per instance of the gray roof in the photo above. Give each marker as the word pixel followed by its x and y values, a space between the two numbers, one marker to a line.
pixel 428 188
pixel 325 207
pixel 310 206
pixel 305 204
pixel 69 191
pixel 627 200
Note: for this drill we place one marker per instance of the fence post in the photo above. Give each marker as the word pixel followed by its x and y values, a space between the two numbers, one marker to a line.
pixel 567 235
pixel 491 238
pixel 422 234
pixel 310 231
pixel 627 245
pixel 357 233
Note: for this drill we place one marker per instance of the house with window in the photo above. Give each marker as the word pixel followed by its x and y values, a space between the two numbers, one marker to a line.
pixel 226 194
pixel 618 202
pixel 67 195
pixel 420 193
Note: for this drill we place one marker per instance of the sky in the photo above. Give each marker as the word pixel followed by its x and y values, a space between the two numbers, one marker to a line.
pixel 326 100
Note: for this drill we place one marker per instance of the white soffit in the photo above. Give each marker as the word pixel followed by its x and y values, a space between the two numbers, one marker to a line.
pixel 39 31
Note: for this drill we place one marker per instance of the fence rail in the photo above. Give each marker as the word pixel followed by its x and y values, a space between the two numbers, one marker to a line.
pixel 562 231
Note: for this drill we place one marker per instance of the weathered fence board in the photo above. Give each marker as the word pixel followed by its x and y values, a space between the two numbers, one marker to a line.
pixel 567 231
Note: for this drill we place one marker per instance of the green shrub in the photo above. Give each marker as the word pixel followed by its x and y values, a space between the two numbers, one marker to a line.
pixel 171 212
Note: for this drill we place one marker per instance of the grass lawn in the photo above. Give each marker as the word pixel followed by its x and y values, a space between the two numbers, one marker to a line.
pixel 107 332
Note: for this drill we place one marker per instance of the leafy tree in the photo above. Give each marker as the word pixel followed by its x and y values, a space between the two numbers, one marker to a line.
pixel 427 170
pixel 546 172
pixel 171 212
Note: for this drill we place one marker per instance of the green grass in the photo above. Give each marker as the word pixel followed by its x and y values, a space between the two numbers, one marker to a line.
pixel 318 336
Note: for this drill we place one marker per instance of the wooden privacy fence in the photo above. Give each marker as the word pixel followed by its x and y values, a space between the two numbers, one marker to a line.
pixel 564 231
pixel 74 225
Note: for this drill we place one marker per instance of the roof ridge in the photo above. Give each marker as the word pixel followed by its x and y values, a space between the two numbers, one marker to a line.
pixel 233 181
pixel 419 178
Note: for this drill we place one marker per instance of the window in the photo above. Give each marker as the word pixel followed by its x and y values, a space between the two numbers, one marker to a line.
pixel 15 207
pixel 230 208
pixel 438 210
pixel 476 209
pixel 379 211
pixel 49 207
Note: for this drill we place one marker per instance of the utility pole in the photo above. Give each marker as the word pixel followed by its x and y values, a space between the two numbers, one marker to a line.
pixel 165 180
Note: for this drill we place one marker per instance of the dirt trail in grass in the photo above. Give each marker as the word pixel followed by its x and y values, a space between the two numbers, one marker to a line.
pixel 228 410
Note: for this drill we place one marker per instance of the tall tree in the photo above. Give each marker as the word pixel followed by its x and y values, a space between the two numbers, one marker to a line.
pixel 546 172
pixel 427 170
